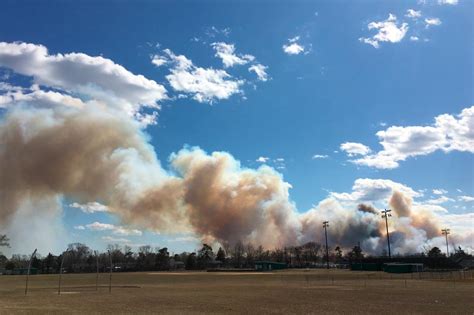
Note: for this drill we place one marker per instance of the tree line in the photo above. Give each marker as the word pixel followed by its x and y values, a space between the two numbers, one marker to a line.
pixel 80 258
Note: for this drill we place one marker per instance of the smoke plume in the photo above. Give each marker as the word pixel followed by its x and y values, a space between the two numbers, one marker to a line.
pixel 54 146
pixel 366 208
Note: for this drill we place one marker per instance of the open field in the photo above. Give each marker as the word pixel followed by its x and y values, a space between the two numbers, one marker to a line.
pixel 314 291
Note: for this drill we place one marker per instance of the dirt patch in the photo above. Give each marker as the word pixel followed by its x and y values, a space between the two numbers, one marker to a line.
pixel 280 292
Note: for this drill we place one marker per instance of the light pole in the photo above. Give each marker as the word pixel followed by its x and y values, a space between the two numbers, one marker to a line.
pixel 61 271
pixel 28 272
pixel 325 226
pixel 445 232
pixel 385 215
pixel 97 271
pixel 110 274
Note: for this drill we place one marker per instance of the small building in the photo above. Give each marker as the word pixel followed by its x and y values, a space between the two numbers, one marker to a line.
pixel 402 267
pixel 269 265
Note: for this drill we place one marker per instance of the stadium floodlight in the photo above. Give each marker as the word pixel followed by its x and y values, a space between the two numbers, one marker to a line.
pixel 28 272
pixel 385 215
pixel 445 232
pixel 325 226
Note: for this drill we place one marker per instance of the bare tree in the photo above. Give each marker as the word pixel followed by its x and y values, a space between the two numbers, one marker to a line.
pixel 4 241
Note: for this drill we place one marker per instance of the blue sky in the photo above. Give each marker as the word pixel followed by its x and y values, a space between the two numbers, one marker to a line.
pixel 336 89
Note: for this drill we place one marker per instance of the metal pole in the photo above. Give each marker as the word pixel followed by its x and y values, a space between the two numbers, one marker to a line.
pixel 386 214
pixel 61 271
pixel 28 272
pixel 325 226
pixel 110 275
pixel 97 271
pixel 445 232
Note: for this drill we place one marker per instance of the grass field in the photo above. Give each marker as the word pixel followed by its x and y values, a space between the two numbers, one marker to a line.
pixel 314 291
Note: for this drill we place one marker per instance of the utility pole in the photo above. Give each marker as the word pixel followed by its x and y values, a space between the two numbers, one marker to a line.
pixel 445 232
pixel 385 215
pixel 325 226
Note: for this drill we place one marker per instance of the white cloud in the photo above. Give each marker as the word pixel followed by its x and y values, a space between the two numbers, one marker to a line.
pixel 80 227
pixel 413 14
pixel 97 77
pixel 387 31
pixel 466 198
pixel 40 97
pixel 205 84
pixel 158 60
pixel 366 189
pixel 439 191
pixel 226 52
pixel 186 239
pixel 262 159
pixel 449 2
pixel 354 148
pixel 320 156
pixel 117 230
pixel 448 133
pixel 90 207
pixel 97 226
pixel 127 232
pixel 260 71
pixel 440 200
pixel 115 240
pixel 432 22
pixel 414 38
pixel 213 31
pixel 293 47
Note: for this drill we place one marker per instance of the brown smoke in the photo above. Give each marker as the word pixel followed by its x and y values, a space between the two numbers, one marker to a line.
pixel 95 154
pixel 362 207
pixel 401 204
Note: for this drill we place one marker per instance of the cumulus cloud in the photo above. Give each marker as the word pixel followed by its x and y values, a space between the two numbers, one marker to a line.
pixel 117 230
pixel 260 71
pixel 448 133
pixel 226 52
pixel 263 159
pixel 366 189
pixel 466 198
pixel 432 22
pixel 354 148
pixel 413 14
pixel 439 191
pixel 389 30
pixel 111 239
pixel 439 200
pixel 204 84
pixel 293 47
pixel 90 207
pixel 99 77
pixel 320 156
pixel 448 2
pixel 158 60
